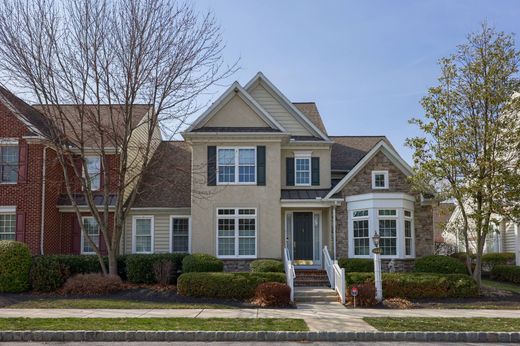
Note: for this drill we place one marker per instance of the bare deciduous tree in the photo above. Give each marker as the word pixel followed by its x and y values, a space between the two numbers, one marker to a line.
pixel 93 66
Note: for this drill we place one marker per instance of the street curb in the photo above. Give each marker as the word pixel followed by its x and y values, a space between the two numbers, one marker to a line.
pixel 80 335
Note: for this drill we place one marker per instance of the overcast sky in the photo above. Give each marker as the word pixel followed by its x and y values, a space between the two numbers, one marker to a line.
pixel 365 63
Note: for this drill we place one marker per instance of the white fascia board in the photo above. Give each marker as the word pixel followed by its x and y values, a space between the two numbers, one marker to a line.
pixel 306 203
pixel 225 97
pixel 288 104
pixel 387 150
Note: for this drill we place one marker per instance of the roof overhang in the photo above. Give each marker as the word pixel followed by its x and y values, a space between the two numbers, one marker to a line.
pixel 309 203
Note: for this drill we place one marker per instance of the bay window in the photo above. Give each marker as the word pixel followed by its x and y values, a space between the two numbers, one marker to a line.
pixel 236 232
pixel 390 215
pixel 236 165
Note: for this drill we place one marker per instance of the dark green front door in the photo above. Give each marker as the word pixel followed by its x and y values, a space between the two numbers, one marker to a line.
pixel 302 236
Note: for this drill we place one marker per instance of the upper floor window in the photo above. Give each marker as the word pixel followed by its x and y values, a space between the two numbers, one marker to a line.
pixel 8 163
pixel 302 169
pixel 236 165
pixel 94 171
pixel 380 179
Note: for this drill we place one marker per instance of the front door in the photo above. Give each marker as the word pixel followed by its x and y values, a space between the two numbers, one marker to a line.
pixel 303 236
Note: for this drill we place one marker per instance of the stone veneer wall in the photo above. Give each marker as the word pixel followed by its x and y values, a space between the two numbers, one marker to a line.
pixel 362 183
pixel 237 265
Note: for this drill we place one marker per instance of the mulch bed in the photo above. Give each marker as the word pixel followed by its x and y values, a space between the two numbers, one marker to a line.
pixel 150 293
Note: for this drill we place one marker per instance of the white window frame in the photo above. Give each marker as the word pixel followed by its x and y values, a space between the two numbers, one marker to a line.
pixel 237 166
pixel 8 211
pixel 7 142
pixel 385 174
pixel 83 252
pixel 236 217
pixel 152 233
pixel 172 217
pixel 360 218
pixel 374 202
pixel 412 235
pixel 93 175
pixel 395 218
pixel 302 156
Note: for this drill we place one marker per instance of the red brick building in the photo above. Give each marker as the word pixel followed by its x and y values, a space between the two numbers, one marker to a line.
pixel 34 207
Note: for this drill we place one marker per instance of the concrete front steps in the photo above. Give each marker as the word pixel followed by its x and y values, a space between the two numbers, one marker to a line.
pixel 315 295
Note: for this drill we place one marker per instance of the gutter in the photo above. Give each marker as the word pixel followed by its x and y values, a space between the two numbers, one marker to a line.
pixel 42 225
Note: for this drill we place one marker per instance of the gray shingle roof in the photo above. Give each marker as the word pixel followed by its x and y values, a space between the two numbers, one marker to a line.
pixel 311 111
pixel 304 194
pixel 347 151
pixel 80 199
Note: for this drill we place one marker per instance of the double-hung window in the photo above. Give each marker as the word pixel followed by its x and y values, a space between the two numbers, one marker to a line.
pixel 302 169
pixel 94 171
pixel 180 234
pixel 8 164
pixel 388 231
pixel 380 179
pixel 142 234
pixel 361 233
pixel 91 228
pixel 236 165
pixel 236 232
pixel 408 233
pixel 7 226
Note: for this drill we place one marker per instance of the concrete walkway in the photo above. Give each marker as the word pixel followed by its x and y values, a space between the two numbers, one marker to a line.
pixel 319 317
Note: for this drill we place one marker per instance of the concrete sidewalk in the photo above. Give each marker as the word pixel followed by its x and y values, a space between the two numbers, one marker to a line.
pixel 319 317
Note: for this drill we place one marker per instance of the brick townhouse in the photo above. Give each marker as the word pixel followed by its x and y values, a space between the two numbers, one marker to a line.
pixel 34 207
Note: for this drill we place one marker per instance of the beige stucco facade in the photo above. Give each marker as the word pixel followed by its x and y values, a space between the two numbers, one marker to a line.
pixel 322 151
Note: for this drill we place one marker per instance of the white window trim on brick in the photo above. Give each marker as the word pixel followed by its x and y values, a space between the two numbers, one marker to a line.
pixel 10 142
pixel 236 216
pixel 152 232
pixel 9 210
pixel 83 240
pixel 385 174
pixel 304 155
pixel 373 202
pixel 173 217
pixel 94 174
pixel 237 166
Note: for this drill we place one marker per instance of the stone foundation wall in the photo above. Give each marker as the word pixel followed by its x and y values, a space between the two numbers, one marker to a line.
pixel 237 265
pixel 406 265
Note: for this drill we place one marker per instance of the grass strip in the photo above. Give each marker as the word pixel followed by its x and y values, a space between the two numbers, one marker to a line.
pixel 155 324
pixel 504 286
pixel 452 324
pixel 96 303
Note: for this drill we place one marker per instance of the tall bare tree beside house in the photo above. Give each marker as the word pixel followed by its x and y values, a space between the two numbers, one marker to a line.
pixel 92 66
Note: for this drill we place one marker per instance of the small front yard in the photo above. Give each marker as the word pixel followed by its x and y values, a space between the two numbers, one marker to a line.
pixel 429 324
pixel 163 324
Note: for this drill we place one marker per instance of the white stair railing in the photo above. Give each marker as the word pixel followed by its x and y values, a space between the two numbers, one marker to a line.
pixel 336 275
pixel 290 273
pixel 329 266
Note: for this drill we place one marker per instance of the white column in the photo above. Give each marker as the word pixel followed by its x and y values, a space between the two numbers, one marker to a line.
pixel 377 277
pixel 334 230
pixel 517 244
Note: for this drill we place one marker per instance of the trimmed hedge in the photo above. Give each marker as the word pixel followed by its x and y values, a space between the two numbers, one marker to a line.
pixel 15 264
pixel 419 285
pixel 439 264
pixel 140 268
pixel 358 265
pixel 490 260
pixel 267 266
pixel 507 273
pixel 47 274
pixel 224 285
pixel 79 264
pixel 200 262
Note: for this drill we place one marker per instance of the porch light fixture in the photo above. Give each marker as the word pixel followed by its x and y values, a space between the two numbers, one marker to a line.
pixel 376 239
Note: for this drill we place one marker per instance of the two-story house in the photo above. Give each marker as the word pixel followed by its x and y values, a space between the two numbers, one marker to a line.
pixel 34 206
pixel 257 173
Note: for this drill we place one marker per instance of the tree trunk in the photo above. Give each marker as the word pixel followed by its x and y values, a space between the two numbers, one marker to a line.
pixel 112 262
pixel 477 274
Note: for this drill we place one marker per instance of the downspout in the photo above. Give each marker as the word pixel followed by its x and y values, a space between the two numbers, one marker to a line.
pixel 42 217
pixel 334 229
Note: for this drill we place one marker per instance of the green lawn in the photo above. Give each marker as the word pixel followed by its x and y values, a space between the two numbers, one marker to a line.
pixel 504 286
pixel 429 324
pixel 98 303
pixel 163 324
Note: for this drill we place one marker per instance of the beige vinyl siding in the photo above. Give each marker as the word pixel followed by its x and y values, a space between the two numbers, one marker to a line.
pixel 137 149
pixel 509 238
pixel 236 113
pixel 161 228
pixel 277 111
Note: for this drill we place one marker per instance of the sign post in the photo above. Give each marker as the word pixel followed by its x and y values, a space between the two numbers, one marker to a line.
pixel 354 292
pixel 377 267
